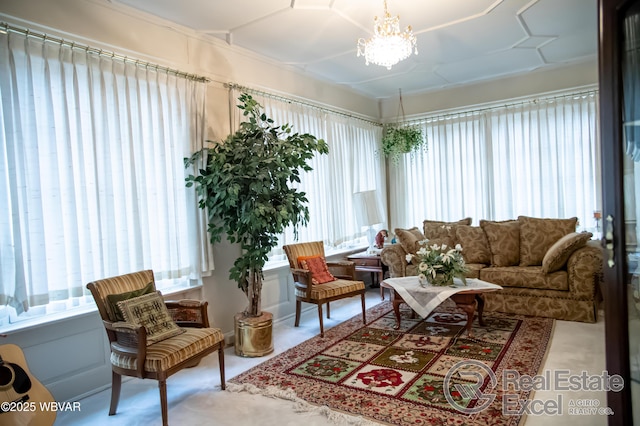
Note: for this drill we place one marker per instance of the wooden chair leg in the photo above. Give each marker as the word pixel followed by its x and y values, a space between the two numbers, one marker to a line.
pixel 298 306
pixel 364 315
pixel 328 310
pixel 223 384
pixel 116 385
pixel 320 317
pixel 162 384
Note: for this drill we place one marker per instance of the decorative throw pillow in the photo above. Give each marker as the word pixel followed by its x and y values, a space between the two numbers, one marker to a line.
pixel 504 241
pixel 438 229
pixel 112 301
pixel 537 235
pixel 409 239
pixel 438 242
pixel 317 265
pixel 150 311
pixel 560 252
pixel 475 247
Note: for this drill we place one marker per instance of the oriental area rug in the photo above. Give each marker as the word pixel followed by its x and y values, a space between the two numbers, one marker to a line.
pixel 429 372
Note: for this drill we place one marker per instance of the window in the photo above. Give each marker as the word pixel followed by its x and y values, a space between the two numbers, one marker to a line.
pixel 351 166
pixel 537 158
pixel 91 173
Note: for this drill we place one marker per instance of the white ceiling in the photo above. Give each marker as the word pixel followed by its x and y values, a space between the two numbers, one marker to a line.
pixel 459 41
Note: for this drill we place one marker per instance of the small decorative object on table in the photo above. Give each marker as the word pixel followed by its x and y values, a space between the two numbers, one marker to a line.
pixel 438 264
pixel 597 215
pixel 381 237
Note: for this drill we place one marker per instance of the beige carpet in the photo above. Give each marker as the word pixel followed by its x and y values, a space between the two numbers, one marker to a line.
pixel 196 399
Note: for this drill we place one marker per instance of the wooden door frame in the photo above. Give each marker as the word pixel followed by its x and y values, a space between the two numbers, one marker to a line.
pixel 615 279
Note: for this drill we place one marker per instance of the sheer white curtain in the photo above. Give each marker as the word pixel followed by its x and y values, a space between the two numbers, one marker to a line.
pixel 352 165
pixel 447 181
pixel 538 158
pixel 91 171
pixel 547 157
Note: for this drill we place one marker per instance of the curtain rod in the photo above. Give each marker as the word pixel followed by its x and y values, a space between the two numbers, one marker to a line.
pixel 5 28
pixel 298 102
pixel 453 114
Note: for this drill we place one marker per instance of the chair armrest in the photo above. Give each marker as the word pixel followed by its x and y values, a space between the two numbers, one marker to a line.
pixel 189 312
pixel 129 340
pixel 302 279
pixel 344 269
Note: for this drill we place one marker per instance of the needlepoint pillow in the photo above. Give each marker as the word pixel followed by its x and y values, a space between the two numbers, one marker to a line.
pixel 317 265
pixel 150 312
pixel 115 313
pixel 537 235
pixel 560 252
pixel 504 241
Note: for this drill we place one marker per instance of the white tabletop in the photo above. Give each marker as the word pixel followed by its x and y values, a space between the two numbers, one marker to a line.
pixel 424 299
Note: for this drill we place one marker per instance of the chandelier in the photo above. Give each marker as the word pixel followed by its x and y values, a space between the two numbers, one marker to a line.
pixel 388 46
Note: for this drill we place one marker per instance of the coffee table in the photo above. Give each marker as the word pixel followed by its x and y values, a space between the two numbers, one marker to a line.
pixel 424 299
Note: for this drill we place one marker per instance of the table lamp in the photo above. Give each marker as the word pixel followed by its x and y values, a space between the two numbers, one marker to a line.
pixel 368 213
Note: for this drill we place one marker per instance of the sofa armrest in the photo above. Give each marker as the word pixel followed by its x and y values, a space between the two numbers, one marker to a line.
pixel 394 257
pixel 584 267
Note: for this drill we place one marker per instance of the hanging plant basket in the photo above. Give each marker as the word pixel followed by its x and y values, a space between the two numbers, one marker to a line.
pixel 398 141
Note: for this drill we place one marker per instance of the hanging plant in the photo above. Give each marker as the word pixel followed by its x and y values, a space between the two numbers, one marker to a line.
pixel 398 140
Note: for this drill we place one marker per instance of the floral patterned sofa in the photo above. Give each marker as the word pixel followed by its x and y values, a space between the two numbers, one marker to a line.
pixel 545 267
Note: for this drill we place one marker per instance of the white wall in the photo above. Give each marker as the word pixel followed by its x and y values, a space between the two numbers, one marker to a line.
pixel 535 82
pixel 70 357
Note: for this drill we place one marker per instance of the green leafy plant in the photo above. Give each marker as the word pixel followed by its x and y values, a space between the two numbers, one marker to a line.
pixel 399 140
pixel 245 187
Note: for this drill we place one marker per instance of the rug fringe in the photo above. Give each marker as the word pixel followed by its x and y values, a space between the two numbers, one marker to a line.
pixel 301 406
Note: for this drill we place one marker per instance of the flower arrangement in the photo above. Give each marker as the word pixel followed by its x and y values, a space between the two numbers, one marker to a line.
pixel 439 264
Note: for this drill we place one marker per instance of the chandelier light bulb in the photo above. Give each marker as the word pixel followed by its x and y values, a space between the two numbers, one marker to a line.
pixel 388 45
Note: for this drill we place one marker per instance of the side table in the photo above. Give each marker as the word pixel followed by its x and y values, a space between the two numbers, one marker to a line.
pixel 370 262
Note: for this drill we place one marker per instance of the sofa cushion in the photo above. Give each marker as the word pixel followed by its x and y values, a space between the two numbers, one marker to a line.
pixel 537 235
pixel 409 239
pixel 475 248
pixel 473 269
pixel 438 229
pixel 504 241
pixel 559 253
pixel 530 277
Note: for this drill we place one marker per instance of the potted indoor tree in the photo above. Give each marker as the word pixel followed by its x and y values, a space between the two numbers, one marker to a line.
pixel 245 185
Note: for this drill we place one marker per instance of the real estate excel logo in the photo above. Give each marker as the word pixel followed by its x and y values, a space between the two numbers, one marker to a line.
pixel 475 372
pixel 470 387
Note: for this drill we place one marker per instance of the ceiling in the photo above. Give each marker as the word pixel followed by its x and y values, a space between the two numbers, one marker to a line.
pixel 459 41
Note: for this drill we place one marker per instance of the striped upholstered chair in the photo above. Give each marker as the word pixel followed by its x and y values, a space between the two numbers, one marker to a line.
pixel 310 288
pixel 179 335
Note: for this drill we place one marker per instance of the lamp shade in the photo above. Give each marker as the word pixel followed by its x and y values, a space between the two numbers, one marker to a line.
pixel 368 209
